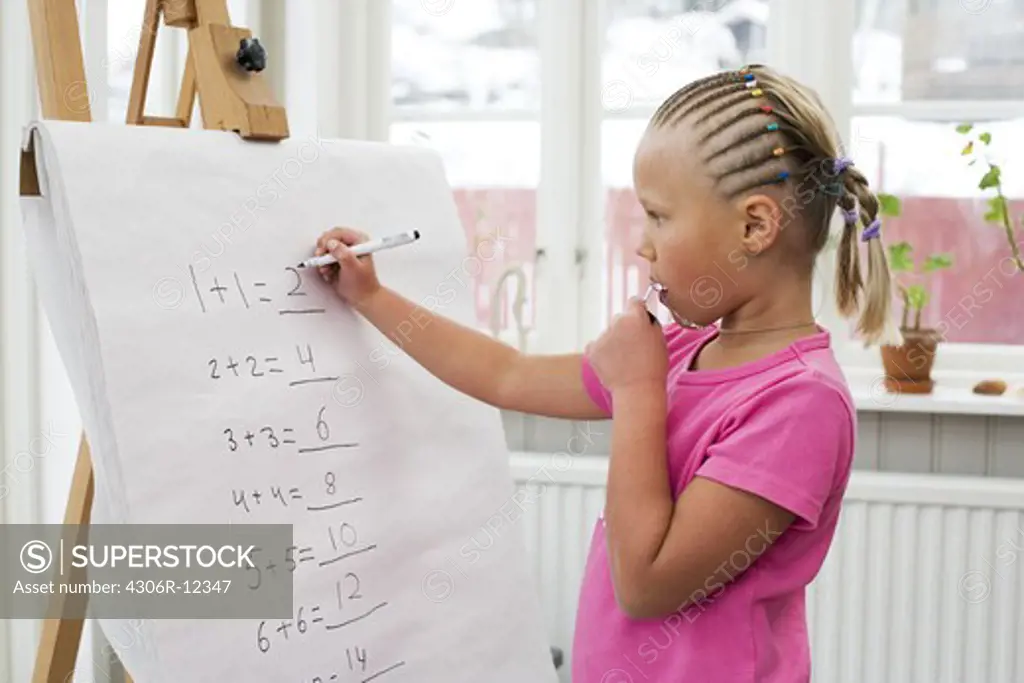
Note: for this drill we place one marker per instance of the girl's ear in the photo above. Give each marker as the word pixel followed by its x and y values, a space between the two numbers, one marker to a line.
pixel 763 223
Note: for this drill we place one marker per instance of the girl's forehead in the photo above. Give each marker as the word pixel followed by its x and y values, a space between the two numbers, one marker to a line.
pixel 667 159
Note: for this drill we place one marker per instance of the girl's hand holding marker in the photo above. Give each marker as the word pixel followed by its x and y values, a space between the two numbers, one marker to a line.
pixel 343 257
pixel 631 353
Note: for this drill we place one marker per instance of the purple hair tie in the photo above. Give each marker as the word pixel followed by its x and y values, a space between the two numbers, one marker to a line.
pixel 851 216
pixel 841 164
pixel 872 231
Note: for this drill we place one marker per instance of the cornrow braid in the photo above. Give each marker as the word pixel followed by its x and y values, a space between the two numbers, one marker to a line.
pixel 716 95
pixel 667 111
pixel 755 127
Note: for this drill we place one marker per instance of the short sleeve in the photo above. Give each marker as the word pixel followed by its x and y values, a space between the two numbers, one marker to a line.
pixel 597 392
pixel 791 444
pixel 675 336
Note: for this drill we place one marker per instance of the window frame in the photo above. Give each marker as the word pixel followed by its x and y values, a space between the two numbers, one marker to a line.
pixel 571 192
pixel 960 363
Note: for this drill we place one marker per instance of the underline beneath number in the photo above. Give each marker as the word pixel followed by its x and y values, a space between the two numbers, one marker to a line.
pixel 331 506
pixel 383 671
pixel 346 555
pixel 355 619
pixel 329 447
pixel 312 381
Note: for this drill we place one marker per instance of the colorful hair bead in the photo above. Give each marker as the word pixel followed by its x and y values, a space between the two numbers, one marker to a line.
pixel 779 151
pixel 872 231
pixel 756 92
pixel 748 77
pixel 782 176
pixel 772 126
pixel 841 164
pixel 751 83
pixel 767 109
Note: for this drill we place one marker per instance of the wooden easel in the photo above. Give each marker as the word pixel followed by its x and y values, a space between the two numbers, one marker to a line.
pixel 231 98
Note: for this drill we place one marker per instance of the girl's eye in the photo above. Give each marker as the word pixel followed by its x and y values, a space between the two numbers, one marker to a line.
pixel 654 217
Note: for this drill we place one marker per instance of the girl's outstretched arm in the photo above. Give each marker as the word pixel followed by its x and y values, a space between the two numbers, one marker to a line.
pixel 460 356
pixel 479 365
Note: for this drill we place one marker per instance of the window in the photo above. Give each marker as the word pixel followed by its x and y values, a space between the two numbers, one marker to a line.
pixel 942 50
pixel 977 300
pixel 913 71
pixel 651 49
pixel 466 82
pixel 920 70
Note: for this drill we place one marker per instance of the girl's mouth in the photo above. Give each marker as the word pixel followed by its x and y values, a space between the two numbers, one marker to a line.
pixel 659 289
pixel 656 288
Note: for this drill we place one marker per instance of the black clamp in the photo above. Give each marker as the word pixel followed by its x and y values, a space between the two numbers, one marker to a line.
pixel 251 55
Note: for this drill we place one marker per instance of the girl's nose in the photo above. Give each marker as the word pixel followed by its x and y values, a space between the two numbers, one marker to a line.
pixel 645 251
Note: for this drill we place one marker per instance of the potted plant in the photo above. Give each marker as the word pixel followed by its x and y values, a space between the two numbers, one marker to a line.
pixel 908 367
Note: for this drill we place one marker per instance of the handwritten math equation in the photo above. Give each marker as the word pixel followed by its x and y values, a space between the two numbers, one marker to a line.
pixel 220 292
pixel 249 366
pixel 256 437
pixel 336 545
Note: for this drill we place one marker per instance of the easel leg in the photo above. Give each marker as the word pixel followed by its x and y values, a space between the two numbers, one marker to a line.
pixel 58 647
pixel 187 96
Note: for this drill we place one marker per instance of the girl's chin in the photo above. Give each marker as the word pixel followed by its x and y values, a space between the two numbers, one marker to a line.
pixel 680 320
pixel 683 322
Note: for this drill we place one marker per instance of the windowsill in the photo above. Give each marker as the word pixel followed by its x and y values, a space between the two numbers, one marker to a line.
pixel 952 395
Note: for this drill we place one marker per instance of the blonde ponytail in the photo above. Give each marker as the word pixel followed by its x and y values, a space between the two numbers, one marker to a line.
pixel 876 324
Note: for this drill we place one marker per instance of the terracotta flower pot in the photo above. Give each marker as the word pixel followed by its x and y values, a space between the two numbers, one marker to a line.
pixel 908 367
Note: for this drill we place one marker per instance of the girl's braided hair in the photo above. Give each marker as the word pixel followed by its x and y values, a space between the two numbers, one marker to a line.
pixel 756 127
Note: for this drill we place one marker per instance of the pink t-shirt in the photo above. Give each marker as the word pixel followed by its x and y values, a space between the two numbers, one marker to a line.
pixel 782 427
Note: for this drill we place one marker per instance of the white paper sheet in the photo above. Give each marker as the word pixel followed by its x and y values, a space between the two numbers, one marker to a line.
pixel 161 256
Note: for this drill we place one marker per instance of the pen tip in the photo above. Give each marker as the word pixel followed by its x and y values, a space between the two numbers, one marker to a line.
pixel 301 265
pixel 415 234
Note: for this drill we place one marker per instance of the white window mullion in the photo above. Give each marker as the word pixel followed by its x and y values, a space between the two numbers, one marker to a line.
pixel 268 22
pixel 19 321
pixel 822 60
pixel 94 33
pixel 378 70
pixel 593 289
pixel 335 68
pixel 559 195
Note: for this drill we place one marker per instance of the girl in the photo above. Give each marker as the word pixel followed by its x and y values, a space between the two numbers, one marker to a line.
pixel 732 429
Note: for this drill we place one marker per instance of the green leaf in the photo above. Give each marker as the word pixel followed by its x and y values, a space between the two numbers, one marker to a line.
pixel 889 204
pixel 965 128
pixel 967 149
pixel 900 259
pixel 997 210
pixel 918 296
pixel 937 262
pixel 990 179
pixel 986 138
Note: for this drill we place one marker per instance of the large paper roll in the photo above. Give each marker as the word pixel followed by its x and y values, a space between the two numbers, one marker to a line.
pixel 208 369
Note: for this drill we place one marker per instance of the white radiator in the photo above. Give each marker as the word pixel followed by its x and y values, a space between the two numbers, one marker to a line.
pixel 923 582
